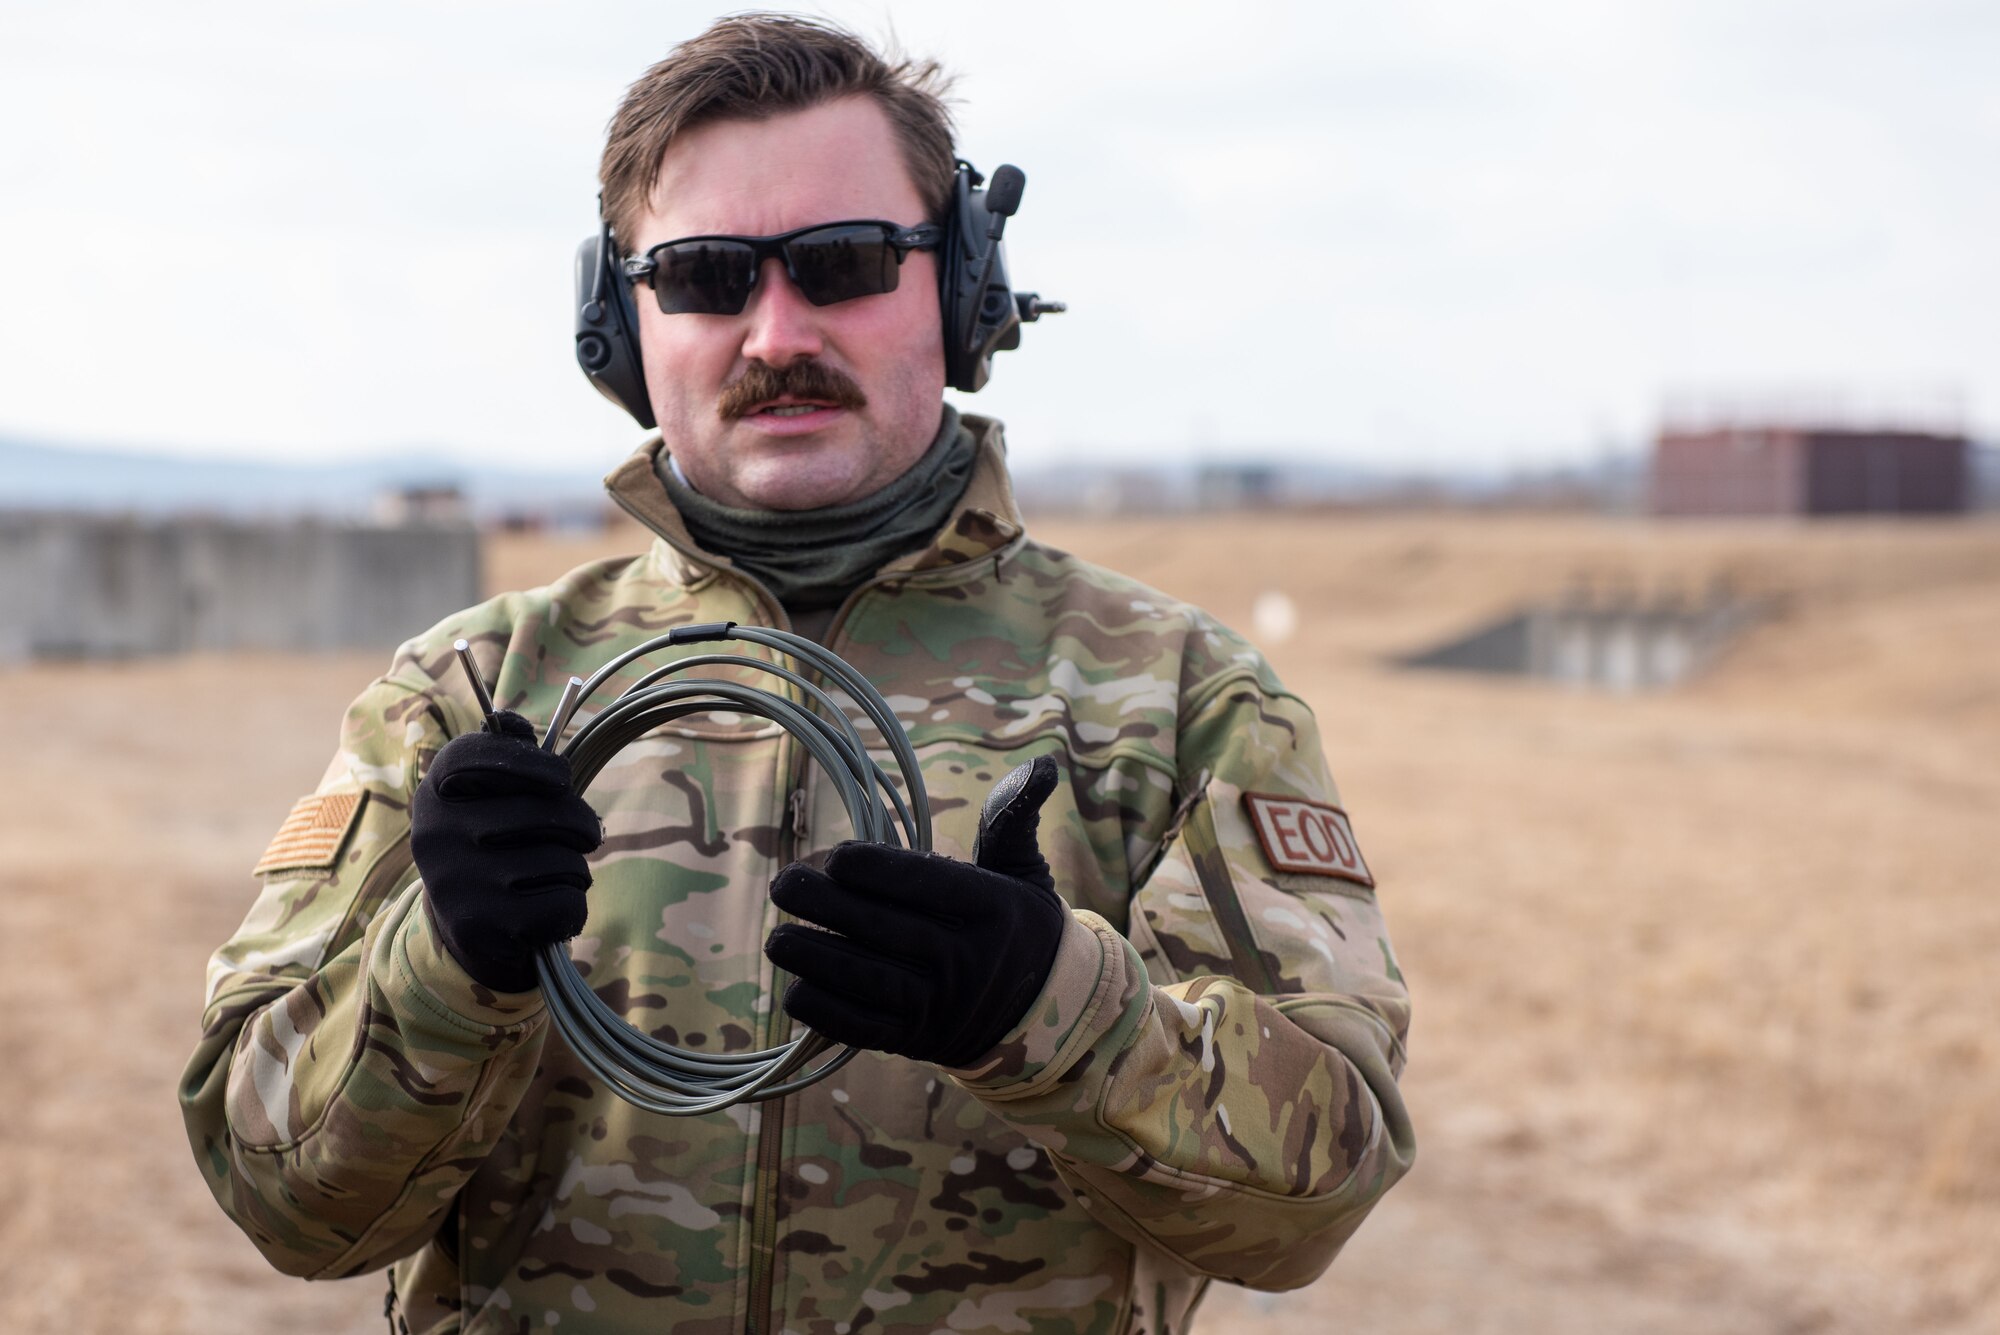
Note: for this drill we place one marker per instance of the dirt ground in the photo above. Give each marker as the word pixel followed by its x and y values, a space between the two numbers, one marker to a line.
pixel 1705 980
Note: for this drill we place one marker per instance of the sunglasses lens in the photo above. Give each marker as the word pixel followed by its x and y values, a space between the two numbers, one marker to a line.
pixel 843 261
pixel 704 277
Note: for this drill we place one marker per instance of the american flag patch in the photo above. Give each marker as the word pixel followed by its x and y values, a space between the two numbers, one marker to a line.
pixel 311 836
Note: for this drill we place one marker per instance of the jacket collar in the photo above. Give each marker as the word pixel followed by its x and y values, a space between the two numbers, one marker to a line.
pixel 985 522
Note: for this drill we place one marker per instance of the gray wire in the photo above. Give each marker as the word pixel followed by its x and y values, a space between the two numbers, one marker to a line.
pixel 642 1070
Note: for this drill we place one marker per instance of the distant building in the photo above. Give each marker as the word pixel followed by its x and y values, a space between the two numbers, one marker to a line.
pixel 1773 469
pixel 421 503
pixel 1242 486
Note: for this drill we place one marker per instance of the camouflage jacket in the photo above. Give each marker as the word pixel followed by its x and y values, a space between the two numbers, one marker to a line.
pixel 1205 1088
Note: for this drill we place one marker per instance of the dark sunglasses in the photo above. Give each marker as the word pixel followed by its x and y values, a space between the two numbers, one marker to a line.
pixel 828 262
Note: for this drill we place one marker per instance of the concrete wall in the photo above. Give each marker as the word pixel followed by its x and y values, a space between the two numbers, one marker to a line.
pixel 93 587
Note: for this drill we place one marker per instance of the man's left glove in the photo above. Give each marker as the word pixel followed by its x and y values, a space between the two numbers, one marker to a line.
pixel 927 957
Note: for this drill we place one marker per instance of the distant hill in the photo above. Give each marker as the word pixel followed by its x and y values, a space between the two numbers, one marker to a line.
pixel 1612 482
pixel 44 476
pixel 36 475
pixel 41 476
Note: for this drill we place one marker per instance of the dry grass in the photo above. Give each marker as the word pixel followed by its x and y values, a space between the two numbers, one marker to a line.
pixel 1705 1010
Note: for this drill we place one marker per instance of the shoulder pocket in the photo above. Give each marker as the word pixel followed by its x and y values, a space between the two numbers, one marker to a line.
pixel 1189 906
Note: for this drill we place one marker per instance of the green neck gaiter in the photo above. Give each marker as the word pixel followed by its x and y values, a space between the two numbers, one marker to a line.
pixel 814 558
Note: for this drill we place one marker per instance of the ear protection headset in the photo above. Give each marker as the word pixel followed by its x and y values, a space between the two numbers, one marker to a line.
pixel 982 314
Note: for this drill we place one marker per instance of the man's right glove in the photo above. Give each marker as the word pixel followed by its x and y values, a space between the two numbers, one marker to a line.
pixel 499 835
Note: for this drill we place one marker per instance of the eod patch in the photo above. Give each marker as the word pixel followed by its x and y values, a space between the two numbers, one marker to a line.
pixel 1310 838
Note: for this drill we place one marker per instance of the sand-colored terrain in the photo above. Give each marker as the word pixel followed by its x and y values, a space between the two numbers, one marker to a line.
pixel 1708 1015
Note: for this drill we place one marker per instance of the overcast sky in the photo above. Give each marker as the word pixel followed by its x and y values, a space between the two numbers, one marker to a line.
pixel 1405 233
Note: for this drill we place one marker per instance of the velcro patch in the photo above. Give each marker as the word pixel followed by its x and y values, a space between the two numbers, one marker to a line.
pixel 1307 837
pixel 312 835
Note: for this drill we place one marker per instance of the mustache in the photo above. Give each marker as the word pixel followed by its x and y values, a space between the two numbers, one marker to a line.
pixel 760 383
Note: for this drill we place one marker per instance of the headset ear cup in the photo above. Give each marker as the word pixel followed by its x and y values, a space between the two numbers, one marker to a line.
pixel 953 279
pixel 976 304
pixel 607 329
pixel 632 368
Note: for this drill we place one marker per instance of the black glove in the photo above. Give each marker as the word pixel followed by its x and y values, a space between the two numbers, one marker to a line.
pixel 499 835
pixel 933 959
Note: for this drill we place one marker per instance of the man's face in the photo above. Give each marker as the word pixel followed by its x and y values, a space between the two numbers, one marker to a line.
pixel 833 162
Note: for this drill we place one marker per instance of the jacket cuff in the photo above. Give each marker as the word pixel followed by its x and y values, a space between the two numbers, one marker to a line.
pixel 423 972
pixel 1083 1000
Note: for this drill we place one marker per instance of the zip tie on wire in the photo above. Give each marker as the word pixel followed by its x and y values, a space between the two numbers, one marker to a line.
pixel 645 1072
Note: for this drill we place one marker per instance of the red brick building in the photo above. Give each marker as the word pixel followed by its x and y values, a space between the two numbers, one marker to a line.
pixel 1789 470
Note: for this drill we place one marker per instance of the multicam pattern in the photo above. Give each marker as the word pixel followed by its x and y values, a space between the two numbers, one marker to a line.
pixel 1205 1088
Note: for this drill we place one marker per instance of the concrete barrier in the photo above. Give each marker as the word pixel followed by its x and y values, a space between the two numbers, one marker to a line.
pixel 1615 641
pixel 87 586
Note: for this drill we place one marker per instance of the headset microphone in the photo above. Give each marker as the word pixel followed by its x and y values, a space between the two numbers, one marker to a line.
pixel 982 315
pixel 1003 199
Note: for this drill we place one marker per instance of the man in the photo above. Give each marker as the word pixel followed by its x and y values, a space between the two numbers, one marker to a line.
pixel 1137 1026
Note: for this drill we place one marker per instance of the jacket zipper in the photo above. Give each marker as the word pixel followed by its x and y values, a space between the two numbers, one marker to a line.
pixel 770 1133
pixel 770 1155
pixel 768 1139
pixel 771 1119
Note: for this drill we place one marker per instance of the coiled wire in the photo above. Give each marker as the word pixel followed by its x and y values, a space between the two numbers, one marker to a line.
pixel 645 1072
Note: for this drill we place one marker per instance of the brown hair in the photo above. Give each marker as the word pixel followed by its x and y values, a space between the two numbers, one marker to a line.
pixel 754 66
